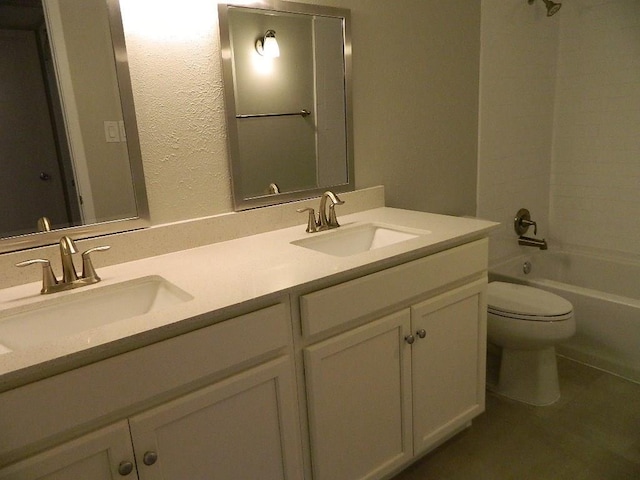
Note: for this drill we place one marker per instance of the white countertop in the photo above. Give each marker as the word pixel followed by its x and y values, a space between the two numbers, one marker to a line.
pixel 225 279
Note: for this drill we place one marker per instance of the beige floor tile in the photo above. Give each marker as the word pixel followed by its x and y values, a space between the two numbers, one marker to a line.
pixel 592 433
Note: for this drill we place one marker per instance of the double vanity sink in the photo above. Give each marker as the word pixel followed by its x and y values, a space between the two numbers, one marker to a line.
pixel 170 292
pixel 257 331
pixel 80 311
pixel 66 315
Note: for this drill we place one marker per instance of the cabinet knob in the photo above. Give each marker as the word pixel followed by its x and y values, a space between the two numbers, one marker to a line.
pixel 149 458
pixel 410 339
pixel 125 468
pixel 422 333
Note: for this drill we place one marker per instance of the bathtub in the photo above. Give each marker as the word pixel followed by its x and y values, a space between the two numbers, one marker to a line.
pixel 605 293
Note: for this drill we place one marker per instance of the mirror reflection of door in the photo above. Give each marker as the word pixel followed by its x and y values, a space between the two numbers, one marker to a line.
pixel 33 149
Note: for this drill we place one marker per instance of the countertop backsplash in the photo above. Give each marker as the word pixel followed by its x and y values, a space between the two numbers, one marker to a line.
pixel 172 237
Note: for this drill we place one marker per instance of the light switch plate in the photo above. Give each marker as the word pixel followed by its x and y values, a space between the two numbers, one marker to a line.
pixel 111 132
pixel 123 132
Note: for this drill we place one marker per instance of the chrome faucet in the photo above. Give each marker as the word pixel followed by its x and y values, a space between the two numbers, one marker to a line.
pixel 70 279
pixel 325 223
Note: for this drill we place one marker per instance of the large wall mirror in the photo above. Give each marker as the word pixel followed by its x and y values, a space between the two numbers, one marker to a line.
pixel 286 72
pixel 70 158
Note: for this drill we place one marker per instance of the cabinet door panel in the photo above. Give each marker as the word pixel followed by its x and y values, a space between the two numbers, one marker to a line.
pixel 95 456
pixel 359 396
pixel 448 364
pixel 242 427
pixel 46 408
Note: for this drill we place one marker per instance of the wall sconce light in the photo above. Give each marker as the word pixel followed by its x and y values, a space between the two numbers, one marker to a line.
pixel 268 46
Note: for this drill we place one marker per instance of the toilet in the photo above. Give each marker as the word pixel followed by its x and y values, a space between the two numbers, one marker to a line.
pixel 526 323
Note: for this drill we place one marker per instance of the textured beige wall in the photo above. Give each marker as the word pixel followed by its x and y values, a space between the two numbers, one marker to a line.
pixel 415 100
pixel 174 59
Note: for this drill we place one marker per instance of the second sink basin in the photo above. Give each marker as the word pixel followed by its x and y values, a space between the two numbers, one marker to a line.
pixel 59 317
pixel 344 242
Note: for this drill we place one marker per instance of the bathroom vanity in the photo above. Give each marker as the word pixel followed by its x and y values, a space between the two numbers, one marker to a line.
pixel 394 362
pixel 285 363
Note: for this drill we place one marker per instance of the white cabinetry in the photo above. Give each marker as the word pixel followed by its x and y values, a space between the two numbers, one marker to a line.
pixel 448 364
pixel 388 366
pixel 243 427
pixel 96 456
pixel 240 422
pixel 359 396
pixel 396 386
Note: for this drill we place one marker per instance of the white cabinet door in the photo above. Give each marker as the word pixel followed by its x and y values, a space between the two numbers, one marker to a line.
pixel 359 397
pixel 244 427
pixel 448 363
pixel 96 456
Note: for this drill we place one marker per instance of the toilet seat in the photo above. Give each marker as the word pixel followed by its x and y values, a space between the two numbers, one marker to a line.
pixel 522 302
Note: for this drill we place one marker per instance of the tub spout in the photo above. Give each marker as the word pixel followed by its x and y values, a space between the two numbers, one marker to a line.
pixel 532 242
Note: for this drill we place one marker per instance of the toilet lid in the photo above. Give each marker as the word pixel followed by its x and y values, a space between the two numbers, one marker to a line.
pixel 521 300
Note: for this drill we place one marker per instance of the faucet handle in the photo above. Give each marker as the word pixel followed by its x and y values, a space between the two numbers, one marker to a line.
pixel 88 272
pixel 530 223
pixel 312 225
pixel 523 221
pixel 48 278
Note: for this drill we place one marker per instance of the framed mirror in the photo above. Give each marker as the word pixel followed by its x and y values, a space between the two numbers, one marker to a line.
pixel 69 151
pixel 287 74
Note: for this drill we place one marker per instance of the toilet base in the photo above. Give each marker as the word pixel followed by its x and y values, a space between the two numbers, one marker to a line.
pixel 529 376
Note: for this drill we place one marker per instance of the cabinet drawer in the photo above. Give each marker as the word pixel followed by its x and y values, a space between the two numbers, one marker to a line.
pixel 340 304
pixel 50 407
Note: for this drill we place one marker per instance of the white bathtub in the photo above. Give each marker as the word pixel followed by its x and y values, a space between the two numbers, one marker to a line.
pixel 605 293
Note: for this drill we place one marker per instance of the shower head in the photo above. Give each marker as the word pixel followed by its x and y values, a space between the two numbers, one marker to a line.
pixel 552 7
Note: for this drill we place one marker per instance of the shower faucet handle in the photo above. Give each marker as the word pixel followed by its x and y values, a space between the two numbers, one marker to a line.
pixel 529 223
pixel 523 221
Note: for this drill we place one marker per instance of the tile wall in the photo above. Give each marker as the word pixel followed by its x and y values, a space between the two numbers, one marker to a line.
pixel 560 123
pixel 595 180
pixel 517 80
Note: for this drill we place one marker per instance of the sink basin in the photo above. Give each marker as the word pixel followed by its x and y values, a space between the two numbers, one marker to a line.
pixel 63 316
pixel 344 242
